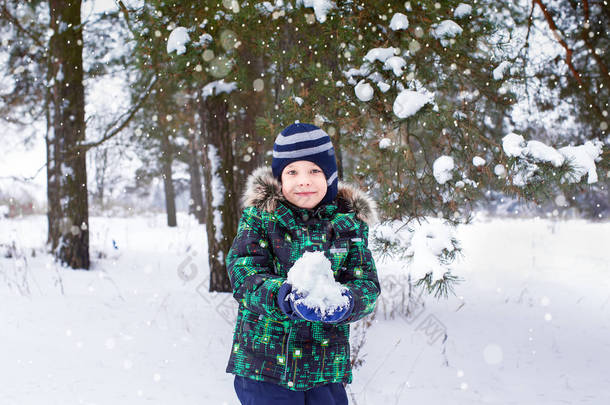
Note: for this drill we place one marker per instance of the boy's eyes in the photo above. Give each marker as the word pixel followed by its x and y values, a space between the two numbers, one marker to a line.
pixel 293 172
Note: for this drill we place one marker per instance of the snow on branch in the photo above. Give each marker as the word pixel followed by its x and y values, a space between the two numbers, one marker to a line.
pixel 177 40
pixel 409 102
pixel 429 246
pixel 462 10
pixel 399 22
pixel 217 87
pixel 320 7
pixel 446 29
pixel 528 155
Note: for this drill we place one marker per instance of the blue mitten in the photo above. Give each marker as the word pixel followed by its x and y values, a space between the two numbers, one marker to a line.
pixel 315 315
pixel 309 314
pixel 286 305
pixel 341 313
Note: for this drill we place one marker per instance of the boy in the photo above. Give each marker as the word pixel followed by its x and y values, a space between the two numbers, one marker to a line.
pixel 284 352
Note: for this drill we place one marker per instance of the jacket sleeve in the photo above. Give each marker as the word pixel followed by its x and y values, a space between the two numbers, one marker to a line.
pixel 360 276
pixel 249 265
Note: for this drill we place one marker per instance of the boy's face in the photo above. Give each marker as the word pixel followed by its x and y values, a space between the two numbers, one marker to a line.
pixel 303 184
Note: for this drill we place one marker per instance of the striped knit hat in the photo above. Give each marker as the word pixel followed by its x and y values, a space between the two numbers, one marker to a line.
pixel 306 142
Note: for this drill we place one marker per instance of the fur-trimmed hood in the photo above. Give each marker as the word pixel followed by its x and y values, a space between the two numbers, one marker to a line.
pixel 264 191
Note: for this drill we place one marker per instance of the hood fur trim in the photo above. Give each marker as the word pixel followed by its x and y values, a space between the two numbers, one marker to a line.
pixel 264 191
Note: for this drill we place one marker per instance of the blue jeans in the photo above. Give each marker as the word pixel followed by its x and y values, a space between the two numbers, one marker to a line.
pixel 252 392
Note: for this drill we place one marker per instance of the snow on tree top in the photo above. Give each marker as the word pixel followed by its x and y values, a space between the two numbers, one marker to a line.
pixel 459 115
pixel 363 71
pixel 462 10
pixel 395 63
pixel 265 7
pixel 399 22
pixel 364 91
pixel 446 29
pixel 276 10
pixel 442 168
pixel 478 161
pixel 177 40
pixel 385 143
pixel 540 151
pixel 431 239
pixel 312 277
pixel 320 7
pixel 355 72
pixel 499 170
pixel 375 77
pixel 383 86
pixel 408 102
pixel 205 39
pixel 217 87
pixel 425 243
pixel 498 73
pixel 380 54
pixel 583 158
pixel 513 144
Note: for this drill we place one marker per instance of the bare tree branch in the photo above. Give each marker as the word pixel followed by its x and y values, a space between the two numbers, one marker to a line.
pixel 115 128
pixel 585 37
pixel 108 134
pixel 525 51
pixel 125 12
pixel 6 14
pixel 558 37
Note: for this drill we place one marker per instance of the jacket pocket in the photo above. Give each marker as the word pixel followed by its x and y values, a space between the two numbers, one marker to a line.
pixel 337 253
pixel 261 335
pixel 333 362
pixel 329 334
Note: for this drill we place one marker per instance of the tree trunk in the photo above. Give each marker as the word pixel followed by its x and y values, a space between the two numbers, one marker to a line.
pixel 196 205
pixel 101 166
pixel 248 158
pixel 166 171
pixel 338 153
pixel 222 212
pixel 68 205
pixel 53 175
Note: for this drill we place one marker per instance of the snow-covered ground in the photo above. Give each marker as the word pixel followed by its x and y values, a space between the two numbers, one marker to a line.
pixel 529 325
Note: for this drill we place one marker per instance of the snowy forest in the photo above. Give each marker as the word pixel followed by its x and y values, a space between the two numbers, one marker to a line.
pixel 478 127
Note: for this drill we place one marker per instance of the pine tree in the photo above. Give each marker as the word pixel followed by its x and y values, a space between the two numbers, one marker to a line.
pixel 182 73
pixel 46 60
pixel 66 158
pixel 403 89
pixel 448 49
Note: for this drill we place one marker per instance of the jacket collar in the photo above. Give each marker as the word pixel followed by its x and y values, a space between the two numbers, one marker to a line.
pixel 264 192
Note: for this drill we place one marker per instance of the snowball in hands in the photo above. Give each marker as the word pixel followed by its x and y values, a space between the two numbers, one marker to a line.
pixel 313 282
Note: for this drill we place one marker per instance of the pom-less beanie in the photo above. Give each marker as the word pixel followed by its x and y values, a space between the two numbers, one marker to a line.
pixel 306 142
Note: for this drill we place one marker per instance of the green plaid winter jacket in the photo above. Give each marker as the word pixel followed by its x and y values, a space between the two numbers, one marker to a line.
pixel 271 236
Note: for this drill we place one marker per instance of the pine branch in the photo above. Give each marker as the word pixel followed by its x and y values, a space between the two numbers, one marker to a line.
pixel 441 287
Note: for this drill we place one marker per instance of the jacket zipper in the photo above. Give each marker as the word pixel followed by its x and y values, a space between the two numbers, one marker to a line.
pixel 287 351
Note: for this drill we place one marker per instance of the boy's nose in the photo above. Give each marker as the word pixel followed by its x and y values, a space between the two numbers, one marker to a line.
pixel 304 180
